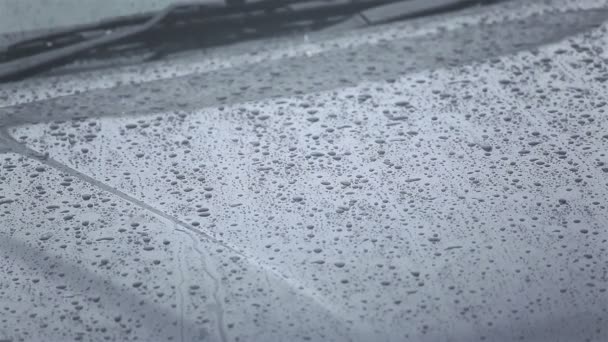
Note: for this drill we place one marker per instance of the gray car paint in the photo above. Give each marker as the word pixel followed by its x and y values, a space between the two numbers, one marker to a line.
pixel 442 179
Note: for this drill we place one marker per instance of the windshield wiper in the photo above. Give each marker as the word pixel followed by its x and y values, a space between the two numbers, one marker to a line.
pixel 43 52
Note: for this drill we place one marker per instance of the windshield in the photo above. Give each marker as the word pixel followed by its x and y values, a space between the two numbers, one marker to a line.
pixel 20 15
pixel 195 25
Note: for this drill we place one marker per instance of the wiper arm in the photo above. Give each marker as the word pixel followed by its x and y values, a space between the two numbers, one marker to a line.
pixel 22 66
pixel 177 12
pixel 32 64
pixel 43 52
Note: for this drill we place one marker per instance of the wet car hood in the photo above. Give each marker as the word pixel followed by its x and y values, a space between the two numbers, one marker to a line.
pixel 441 179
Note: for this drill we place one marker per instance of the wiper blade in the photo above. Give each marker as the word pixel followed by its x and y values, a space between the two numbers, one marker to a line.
pixel 19 66
pixel 177 12
pixel 43 52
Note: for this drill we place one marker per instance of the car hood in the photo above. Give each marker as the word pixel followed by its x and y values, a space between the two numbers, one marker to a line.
pixel 441 179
